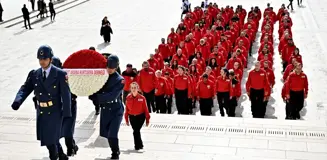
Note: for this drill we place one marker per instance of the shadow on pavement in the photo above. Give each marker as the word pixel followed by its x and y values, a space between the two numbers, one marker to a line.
pixel 87 126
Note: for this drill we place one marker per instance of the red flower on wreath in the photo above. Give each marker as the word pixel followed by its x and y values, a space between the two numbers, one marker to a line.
pixel 87 59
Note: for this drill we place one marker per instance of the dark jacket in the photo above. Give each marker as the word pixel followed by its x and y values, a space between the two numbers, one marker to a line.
pixel 105 28
pixel 26 14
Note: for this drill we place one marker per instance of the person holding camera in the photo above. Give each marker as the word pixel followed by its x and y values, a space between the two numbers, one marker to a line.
pixel 136 113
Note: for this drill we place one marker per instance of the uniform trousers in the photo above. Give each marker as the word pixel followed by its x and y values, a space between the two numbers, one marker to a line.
pixel 296 103
pixel 256 98
pixel 223 101
pixel 28 22
pixel 137 122
pixel 181 101
pixel 53 152
pixel 169 102
pixel 52 15
pixel 205 106
pixel 150 100
pixel 160 104
pixel 232 107
pixel 290 4
pixel 1 16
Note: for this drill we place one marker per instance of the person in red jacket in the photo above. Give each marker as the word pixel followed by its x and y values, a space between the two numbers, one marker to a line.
pixel 147 82
pixel 154 64
pixel 224 91
pixel 161 90
pixel 287 52
pixel 205 91
pixel 170 92
pixel 182 87
pixel 297 90
pixel 164 50
pixel 270 74
pixel 129 77
pixel 168 69
pixel 180 58
pixel 235 94
pixel 289 69
pixel 136 113
pixel 257 88
pixel 296 55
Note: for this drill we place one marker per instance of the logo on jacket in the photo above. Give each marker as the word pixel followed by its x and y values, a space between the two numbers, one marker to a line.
pixel 208 86
pixel 140 100
pixel 262 74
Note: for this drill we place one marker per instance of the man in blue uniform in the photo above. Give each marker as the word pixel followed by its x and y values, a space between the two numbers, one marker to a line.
pixel 68 125
pixel 53 98
pixel 112 109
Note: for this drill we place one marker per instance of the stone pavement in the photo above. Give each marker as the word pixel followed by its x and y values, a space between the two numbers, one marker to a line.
pixel 136 34
pixel 180 137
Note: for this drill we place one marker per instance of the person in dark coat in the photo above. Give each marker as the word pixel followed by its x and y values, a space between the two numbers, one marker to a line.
pixel 52 11
pixel 290 5
pixel 53 97
pixel 1 10
pixel 106 30
pixel 26 16
pixel 32 3
pixel 68 124
pixel 112 107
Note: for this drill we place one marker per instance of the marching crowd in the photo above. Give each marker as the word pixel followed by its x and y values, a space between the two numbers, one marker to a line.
pixel 205 56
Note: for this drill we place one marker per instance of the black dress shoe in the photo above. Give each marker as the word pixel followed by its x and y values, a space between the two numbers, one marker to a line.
pixel 97 113
pixel 63 156
pixel 115 155
pixel 72 152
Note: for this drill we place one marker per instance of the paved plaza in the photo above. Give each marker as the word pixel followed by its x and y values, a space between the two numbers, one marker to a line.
pixel 138 27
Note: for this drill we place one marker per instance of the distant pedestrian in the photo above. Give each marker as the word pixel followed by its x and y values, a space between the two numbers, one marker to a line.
pixel 290 4
pixel 32 3
pixel 40 8
pixel 106 30
pixel 1 10
pixel 45 10
pixel 52 11
pixel 299 3
pixel 26 16
pixel 186 6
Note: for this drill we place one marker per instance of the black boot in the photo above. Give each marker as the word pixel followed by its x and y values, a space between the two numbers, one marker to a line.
pixel 113 143
pixel 73 151
pixel 62 155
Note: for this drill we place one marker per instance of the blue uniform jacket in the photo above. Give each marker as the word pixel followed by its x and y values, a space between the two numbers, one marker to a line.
pixel 55 89
pixel 112 109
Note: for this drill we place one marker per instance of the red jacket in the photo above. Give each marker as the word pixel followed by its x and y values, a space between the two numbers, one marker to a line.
pixel 261 57
pixel 236 90
pixel 154 64
pixel 258 80
pixel 270 76
pixel 181 60
pixel 129 78
pixel 205 89
pixel 169 70
pixel 162 87
pixel 147 80
pixel 160 60
pixel 190 48
pixel 164 50
pixel 136 106
pixel 262 62
pixel 224 85
pixel 205 51
pixel 297 82
pixel 219 59
pixel 231 62
pixel 297 57
pixel 287 71
pixel 287 52
pixel 174 37
pixel 182 82
pixel 170 83
pixel 238 74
